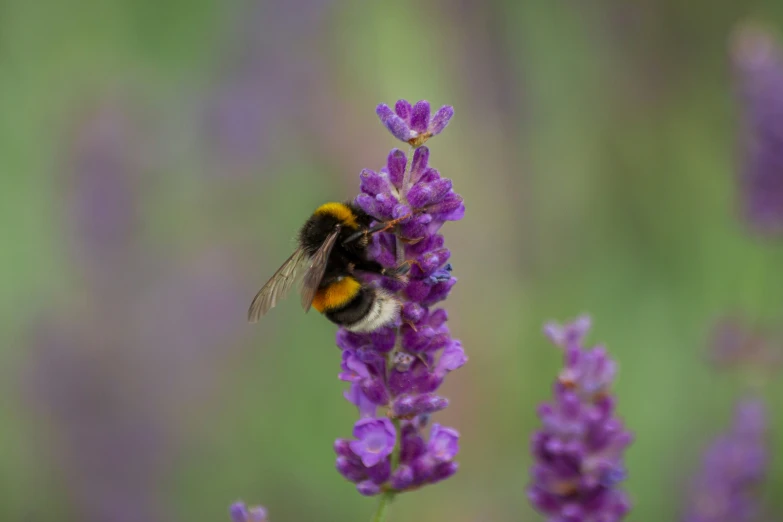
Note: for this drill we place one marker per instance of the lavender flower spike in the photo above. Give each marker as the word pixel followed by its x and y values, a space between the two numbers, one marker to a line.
pixel 734 465
pixel 412 124
pixel 241 513
pixel 395 372
pixel 579 449
pixel 758 63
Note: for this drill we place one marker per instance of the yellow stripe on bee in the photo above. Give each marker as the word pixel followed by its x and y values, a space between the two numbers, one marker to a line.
pixel 341 211
pixel 336 295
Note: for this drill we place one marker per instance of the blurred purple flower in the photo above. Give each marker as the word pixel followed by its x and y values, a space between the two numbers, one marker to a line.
pixel 758 64
pixel 579 450
pixel 242 513
pixel 102 178
pixel 734 466
pixel 115 369
pixel 122 376
pixel 735 343
pixel 399 369
pixel 412 123
pixel 111 444
pixel 266 87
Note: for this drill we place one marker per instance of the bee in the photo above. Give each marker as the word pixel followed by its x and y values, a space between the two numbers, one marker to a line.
pixel 332 247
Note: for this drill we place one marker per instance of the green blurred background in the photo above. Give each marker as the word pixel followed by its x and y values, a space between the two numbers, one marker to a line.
pixel 158 157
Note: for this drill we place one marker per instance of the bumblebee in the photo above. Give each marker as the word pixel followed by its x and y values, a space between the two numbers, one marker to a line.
pixel 332 247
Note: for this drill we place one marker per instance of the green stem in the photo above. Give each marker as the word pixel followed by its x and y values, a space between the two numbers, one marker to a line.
pixel 383 507
pixel 395 456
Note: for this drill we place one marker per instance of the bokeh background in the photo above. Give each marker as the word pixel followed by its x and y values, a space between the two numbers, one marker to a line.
pixel 158 157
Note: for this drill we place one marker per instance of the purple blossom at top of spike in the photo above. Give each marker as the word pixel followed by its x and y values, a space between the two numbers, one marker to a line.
pixel 758 63
pixel 395 372
pixel 241 513
pixel 412 123
pixel 734 465
pixel 579 449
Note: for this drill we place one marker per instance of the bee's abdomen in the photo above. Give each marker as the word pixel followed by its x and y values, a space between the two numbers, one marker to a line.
pixel 337 294
pixel 369 310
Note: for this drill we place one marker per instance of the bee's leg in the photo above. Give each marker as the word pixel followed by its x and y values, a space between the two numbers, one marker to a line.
pixel 383 226
pixel 402 269
pixel 368 265
pixel 411 241
pixel 398 273
pixel 388 225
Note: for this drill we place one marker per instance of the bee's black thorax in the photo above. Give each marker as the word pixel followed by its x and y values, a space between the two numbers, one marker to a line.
pixel 326 218
pixel 315 231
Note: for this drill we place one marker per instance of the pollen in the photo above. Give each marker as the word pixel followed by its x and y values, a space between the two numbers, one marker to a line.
pixel 340 211
pixel 418 141
pixel 564 487
pixel 336 295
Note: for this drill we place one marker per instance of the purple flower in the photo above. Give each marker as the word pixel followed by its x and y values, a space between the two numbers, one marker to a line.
pixel 376 439
pixel 444 443
pixel 354 370
pixel 241 513
pixel 357 397
pixel 452 358
pixel 115 435
pixel 101 192
pixel 734 342
pixel 413 124
pixel 258 96
pixel 734 465
pixel 368 488
pixel 579 450
pixel 758 64
pixel 399 369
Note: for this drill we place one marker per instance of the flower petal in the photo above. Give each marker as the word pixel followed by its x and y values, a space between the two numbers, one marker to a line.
pixel 441 119
pixel 420 118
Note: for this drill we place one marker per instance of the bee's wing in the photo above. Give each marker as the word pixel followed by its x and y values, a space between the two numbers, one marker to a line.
pixel 315 272
pixel 277 286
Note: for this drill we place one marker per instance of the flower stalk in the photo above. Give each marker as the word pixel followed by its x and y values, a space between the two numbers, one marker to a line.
pixel 395 371
pixel 383 507
pixel 579 449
